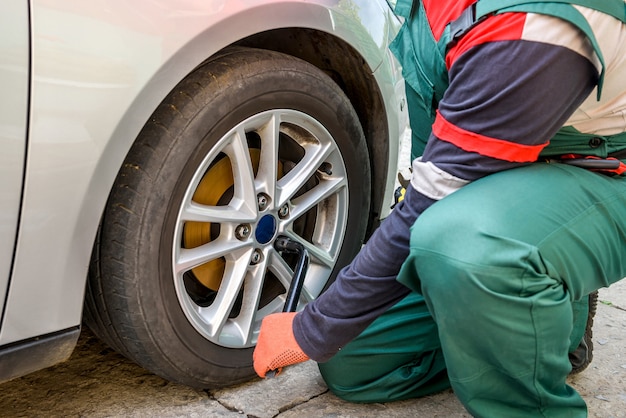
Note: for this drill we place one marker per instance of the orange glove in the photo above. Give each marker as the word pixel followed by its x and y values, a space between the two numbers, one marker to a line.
pixel 276 346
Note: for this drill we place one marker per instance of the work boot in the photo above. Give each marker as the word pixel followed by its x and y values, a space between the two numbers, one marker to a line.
pixel 581 357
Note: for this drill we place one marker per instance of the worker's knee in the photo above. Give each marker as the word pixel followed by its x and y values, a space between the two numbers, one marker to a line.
pixel 397 357
pixel 385 377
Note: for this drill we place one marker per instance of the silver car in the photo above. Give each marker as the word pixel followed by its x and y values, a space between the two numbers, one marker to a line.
pixel 154 150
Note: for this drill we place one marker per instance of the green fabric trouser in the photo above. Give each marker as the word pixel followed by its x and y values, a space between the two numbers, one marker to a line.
pixel 500 264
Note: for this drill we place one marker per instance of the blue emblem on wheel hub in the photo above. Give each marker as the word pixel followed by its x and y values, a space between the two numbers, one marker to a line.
pixel 265 229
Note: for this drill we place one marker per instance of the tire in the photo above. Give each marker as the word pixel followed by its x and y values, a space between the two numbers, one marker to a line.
pixel 250 146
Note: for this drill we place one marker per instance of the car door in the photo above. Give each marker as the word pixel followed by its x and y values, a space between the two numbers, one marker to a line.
pixel 14 88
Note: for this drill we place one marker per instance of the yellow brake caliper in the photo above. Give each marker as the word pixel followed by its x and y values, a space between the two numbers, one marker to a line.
pixel 215 183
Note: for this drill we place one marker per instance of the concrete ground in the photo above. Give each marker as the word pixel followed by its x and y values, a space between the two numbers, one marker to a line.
pixel 97 382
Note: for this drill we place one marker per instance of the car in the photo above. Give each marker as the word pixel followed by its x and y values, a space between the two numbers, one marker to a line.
pixel 154 151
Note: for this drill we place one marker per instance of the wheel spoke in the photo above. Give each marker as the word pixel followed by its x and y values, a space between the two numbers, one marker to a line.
pixel 268 161
pixel 243 175
pixel 287 186
pixel 317 194
pixel 284 273
pixel 281 269
pixel 317 253
pixel 218 214
pixel 188 258
pixel 247 320
pixel 216 315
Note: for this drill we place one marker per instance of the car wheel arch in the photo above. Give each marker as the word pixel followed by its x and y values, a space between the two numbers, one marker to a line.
pixel 360 87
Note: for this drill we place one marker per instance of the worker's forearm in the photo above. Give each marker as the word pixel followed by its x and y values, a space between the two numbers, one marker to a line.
pixel 364 289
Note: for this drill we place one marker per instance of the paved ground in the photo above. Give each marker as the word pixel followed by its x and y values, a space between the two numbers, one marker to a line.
pixel 97 382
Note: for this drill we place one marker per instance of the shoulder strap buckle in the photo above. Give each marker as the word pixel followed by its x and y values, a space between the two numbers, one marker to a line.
pixel 462 24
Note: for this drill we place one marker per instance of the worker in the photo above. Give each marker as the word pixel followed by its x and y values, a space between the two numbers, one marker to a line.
pixel 515 213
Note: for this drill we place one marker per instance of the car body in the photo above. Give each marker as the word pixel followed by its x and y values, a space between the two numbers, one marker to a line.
pixel 115 114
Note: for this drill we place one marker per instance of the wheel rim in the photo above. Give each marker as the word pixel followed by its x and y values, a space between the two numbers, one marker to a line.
pixel 276 173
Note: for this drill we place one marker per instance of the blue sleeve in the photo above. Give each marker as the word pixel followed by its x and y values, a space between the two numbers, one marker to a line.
pixel 364 289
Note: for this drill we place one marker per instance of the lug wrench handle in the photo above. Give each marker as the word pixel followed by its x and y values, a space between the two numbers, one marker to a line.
pixel 288 245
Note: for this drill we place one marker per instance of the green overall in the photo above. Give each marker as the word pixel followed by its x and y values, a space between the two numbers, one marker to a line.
pixel 505 301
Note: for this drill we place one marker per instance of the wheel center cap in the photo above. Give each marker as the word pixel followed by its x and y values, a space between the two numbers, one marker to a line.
pixel 265 229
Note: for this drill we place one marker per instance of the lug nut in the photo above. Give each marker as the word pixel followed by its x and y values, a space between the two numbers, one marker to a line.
pixel 243 231
pixel 283 212
pixel 262 201
pixel 256 257
pixel 326 168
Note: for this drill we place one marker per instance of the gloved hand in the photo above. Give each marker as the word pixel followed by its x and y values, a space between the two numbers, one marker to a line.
pixel 277 346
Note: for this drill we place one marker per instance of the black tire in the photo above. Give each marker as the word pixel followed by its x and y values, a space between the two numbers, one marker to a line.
pixel 143 297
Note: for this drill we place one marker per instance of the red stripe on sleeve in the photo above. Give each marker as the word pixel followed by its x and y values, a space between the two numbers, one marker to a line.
pixel 484 145
pixel 503 27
